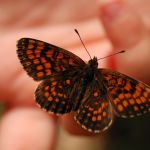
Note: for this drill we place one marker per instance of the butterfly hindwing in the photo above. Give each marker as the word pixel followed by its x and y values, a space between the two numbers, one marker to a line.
pixel 128 96
pixel 42 60
pixel 94 113
pixel 52 95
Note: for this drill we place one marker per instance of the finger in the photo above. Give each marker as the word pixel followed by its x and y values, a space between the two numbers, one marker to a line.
pixel 123 25
pixel 27 129
pixel 126 31
pixel 79 138
pixel 22 88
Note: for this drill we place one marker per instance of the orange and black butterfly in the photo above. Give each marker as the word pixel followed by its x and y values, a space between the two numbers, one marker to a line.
pixel 69 84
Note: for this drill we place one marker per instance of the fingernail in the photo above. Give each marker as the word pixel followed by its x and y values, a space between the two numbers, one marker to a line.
pixel 123 26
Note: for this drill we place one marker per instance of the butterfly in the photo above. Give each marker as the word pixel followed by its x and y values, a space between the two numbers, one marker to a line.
pixel 69 84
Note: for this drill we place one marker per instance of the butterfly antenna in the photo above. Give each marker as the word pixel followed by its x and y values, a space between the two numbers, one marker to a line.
pixel 112 55
pixel 82 42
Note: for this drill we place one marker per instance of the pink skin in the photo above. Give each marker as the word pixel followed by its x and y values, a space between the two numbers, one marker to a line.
pixel 127 27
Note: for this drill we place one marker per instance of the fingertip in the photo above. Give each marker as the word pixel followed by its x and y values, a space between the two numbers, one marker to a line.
pixel 70 125
pixel 123 25
pixel 27 128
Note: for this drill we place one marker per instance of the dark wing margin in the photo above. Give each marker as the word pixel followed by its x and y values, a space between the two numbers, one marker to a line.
pixel 129 97
pixel 42 60
pixel 94 113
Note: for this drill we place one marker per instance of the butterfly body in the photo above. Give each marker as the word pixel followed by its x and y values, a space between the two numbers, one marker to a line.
pixel 69 84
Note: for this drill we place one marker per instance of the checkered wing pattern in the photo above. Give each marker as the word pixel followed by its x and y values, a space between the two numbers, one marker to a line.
pixel 94 113
pixel 129 97
pixel 52 95
pixel 42 60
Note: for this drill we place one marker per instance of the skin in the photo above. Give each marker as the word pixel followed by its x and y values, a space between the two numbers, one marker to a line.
pixel 126 27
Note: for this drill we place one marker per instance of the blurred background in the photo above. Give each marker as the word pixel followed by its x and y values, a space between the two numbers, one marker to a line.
pixel 54 21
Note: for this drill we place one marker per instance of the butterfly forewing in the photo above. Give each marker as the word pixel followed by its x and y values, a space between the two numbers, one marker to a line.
pixel 94 113
pixel 42 60
pixel 129 97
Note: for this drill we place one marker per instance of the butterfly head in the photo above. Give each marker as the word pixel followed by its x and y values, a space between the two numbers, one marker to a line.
pixel 93 63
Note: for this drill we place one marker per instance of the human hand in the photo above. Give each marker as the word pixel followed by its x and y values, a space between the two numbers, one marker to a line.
pixel 16 84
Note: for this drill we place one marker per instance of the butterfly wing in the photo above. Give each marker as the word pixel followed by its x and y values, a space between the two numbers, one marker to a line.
pixel 42 60
pixel 52 94
pixel 128 96
pixel 94 113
